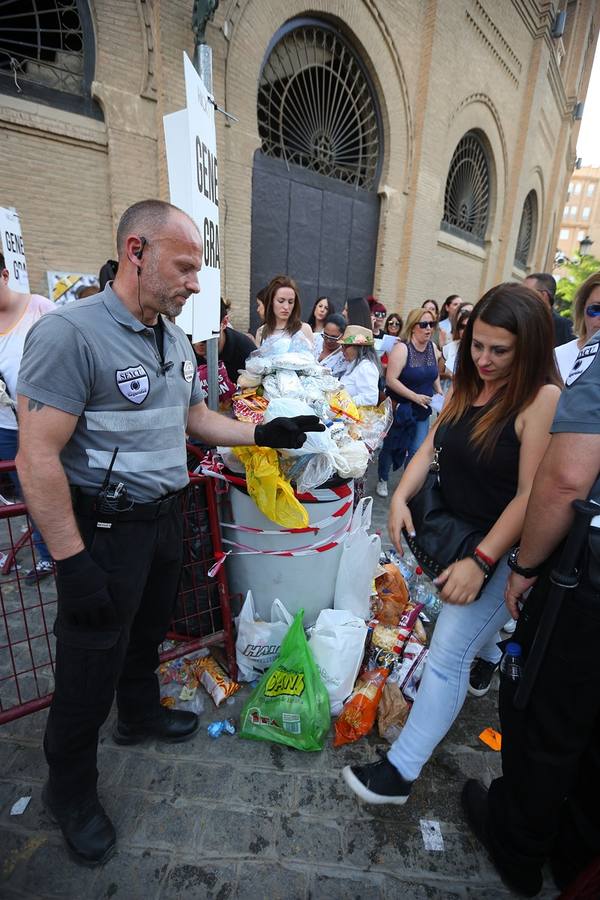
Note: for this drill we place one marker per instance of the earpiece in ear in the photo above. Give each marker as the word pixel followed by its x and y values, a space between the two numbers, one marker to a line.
pixel 140 252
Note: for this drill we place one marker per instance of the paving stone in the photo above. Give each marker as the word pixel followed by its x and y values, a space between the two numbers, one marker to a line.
pixel 271 882
pixel 145 774
pixel 268 789
pixel 163 824
pixel 309 839
pixel 208 879
pixel 330 796
pixel 28 728
pixel 129 875
pixel 8 751
pixel 233 833
pixel 333 887
pixel 201 782
pixel 390 843
pixel 49 871
pixel 29 763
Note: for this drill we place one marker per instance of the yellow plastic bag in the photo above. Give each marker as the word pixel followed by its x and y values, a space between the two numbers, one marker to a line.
pixel 271 492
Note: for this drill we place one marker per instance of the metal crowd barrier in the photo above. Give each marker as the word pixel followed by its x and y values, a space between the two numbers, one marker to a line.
pixel 201 617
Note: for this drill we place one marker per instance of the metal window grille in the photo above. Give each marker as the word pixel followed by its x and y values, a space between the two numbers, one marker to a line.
pixel 42 44
pixel 527 228
pixel 316 108
pixel 466 200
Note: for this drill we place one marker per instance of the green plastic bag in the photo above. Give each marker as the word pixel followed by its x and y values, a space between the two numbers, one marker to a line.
pixel 290 704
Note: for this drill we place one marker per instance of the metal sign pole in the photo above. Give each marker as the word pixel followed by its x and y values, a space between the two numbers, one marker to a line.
pixel 203 65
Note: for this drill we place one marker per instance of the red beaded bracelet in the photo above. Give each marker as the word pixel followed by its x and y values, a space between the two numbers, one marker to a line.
pixel 486 559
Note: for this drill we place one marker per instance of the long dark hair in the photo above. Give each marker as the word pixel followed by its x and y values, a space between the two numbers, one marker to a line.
pixel 523 313
pixel 358 312
pixel 294 322
pixel 444 313
pixel 330 309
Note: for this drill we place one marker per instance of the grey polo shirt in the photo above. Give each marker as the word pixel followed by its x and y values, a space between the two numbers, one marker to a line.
pixel 95 360
pixel 578 409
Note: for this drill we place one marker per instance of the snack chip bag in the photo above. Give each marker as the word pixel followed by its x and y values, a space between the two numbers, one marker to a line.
pixel 212 677
pixel 392 595
pixel 290 704
pixel 358 715
pixel 341 402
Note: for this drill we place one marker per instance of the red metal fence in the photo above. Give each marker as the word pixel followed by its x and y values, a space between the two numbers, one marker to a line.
pixel 201 617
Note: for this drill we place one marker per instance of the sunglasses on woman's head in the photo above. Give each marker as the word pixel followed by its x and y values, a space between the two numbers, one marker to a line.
pixel 593 310
pixel 424 325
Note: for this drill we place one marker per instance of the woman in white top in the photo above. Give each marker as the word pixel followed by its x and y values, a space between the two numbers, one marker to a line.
pixel 449 307
pixel 450 348
pixel 282 312
pixel 330 354
pixel 586 322
pixel 361 378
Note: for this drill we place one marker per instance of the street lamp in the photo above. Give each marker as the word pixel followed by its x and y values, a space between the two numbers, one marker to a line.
pixel 584 245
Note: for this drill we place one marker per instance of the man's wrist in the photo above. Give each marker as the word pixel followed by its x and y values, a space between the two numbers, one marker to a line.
pixel 522 567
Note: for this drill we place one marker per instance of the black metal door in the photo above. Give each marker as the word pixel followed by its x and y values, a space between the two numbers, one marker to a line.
pixel 320 231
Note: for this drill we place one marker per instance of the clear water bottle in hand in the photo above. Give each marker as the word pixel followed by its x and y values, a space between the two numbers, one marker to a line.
pixel 424 592
pixel 511 665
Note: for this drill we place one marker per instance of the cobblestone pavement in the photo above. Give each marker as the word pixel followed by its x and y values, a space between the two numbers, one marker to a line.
pixel 233 818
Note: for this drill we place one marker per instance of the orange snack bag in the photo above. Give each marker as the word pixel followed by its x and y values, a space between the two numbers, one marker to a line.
pixel 392 595
pixel 358 715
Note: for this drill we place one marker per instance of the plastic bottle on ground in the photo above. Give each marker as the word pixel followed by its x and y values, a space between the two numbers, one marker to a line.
pixel 424 592
pixel 511 665
pixel 405 564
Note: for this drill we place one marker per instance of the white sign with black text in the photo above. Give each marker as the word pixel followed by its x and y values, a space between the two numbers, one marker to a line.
pixel 13 249
pixel 191 146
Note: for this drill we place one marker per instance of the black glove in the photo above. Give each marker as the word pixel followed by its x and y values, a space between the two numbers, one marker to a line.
pixel 82 588
pixel 286 434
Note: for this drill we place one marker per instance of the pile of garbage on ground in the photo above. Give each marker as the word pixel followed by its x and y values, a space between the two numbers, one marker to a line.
pixel 361 664
pixel 282 378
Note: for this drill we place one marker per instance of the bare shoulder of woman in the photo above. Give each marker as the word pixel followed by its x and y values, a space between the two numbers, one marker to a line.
pixel 540 412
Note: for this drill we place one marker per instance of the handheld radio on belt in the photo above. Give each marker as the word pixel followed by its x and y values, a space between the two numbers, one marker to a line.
pixel 112 497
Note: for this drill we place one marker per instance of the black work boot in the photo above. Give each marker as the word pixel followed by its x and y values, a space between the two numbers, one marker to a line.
pixel 170 725
pixel 87 830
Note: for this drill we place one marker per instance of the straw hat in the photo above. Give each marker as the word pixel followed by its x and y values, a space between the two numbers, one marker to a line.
pixel 357 336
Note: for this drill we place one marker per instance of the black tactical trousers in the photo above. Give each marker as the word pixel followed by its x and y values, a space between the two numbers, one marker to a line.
pixel 546 806
pixel 143 562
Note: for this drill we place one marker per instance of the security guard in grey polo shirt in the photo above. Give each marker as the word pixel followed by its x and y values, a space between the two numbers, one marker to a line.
pixel 107 391
pixel 545 805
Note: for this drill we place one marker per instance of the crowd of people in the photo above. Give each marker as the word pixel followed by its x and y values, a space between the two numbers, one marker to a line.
pixel 476 391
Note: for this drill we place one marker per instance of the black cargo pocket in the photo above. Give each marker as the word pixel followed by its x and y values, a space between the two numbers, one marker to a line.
pixel 87 663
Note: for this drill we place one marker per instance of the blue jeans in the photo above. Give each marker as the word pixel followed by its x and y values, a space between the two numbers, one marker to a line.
pixel 461 633
pixel 385 457
pixel 9 444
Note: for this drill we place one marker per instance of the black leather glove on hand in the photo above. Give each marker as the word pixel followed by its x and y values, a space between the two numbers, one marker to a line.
pixel 82 588
pixel 286 434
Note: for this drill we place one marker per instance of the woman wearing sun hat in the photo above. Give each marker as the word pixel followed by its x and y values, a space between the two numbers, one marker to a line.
pixel 361 378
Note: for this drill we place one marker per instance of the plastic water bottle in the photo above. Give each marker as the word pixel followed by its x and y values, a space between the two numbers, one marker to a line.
pixel 425 593
pixel 404 564
pixel 511 666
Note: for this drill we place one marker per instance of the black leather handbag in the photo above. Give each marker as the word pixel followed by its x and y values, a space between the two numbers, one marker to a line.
pixel 440 538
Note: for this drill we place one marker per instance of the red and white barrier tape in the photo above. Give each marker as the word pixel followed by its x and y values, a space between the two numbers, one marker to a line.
pixel 213 469
pixel 319 547
pixel 315 527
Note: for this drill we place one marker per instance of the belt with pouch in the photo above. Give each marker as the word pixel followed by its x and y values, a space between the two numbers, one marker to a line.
pixel 87 505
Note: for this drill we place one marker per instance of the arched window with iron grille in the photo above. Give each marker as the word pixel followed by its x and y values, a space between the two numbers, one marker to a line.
pixel 467 194
pixel 47 53
pixel 316 106
pixel 527 230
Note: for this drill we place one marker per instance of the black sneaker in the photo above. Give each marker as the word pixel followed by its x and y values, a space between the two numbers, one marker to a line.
pixel 378 782
pixel 481 677
pixel 87 830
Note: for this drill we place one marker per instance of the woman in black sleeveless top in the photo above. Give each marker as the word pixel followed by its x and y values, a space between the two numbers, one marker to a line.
pixel 495 430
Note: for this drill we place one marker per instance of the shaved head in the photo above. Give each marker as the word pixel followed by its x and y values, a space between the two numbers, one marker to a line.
pixel 148 218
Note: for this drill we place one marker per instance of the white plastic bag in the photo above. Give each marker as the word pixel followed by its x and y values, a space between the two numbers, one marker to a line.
pixel 337 643
pixel 360 555
pixel 258 643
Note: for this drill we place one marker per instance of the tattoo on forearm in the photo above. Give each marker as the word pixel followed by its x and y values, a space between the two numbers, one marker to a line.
pixel 35 405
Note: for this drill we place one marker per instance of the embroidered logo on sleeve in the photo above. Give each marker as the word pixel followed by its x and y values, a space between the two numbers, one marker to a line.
pixel 133 383
pixel 584 360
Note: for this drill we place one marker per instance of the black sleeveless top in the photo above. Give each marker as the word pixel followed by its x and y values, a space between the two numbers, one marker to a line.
pixel 477 488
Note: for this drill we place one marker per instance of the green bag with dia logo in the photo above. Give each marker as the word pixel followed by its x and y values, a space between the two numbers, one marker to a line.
pixel 290 704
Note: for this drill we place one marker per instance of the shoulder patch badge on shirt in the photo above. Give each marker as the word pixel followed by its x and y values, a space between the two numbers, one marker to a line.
pixel 584 360
pixel 133 383
pixel 188 369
